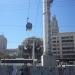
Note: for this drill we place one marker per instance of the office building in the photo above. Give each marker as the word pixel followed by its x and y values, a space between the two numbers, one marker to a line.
pixel 63 44
pixel 54 26
pixel 3 42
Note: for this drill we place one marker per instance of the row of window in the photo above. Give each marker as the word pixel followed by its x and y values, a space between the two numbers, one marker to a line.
pixel 69 56
pixel 67 48
pixel 67 40
pixel 55 41
pixel 67 37
pixel 68 44
pixel 68 52
pixel 57 52
pixel 55 45
pixel 55 49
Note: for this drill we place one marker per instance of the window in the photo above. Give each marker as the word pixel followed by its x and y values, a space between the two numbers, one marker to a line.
pixel 54 41
pixel 68 51
pixel 68 44
pixel 67 40
pixel 54 45
pixel 69 56
pixel 67 37
pixel 54 37
pixel 54 48
pixel 57 41
pixel 58 49
pixel 65 48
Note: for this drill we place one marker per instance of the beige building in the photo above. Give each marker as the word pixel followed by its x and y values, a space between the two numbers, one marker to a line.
pixel 63 44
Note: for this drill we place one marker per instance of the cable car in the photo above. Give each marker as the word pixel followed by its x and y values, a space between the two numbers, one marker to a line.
pixel 28 26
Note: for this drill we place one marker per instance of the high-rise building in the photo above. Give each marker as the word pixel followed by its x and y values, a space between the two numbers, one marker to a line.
pixel 3 42
pixel 54 26
pixel 62 44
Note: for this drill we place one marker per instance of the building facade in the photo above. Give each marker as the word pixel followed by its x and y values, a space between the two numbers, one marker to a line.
pixel 63 44
pixel 54 26
pixel 3 42
pixel 13 53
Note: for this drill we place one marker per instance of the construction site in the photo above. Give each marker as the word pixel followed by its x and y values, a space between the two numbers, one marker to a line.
pixel 35 56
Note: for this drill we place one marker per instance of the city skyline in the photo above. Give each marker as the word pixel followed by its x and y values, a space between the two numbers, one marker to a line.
pixel 13 17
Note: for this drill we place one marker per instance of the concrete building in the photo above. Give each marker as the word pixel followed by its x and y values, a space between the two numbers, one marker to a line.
pixel 8 53
pixel 12 52
pixel 67 45
pixel 54 26
pixel 3 42
pixel 63 45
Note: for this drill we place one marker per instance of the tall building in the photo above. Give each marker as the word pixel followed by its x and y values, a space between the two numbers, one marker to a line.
pixel 3 42
pixel 62 44
pixel 54 26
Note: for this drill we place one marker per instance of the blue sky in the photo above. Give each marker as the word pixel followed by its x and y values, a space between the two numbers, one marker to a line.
pixel 65 12
pixel 14 13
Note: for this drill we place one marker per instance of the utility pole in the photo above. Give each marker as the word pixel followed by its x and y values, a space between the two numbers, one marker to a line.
pixel 33 52
pixel 47 58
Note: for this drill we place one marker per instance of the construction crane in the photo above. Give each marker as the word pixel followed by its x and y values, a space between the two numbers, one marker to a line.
pixel 47 58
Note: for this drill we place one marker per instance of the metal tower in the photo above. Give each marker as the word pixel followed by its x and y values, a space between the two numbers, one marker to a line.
pixel 47 58
pixel 46 25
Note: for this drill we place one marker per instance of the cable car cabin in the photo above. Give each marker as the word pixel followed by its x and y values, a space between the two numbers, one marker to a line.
pixel 28 26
